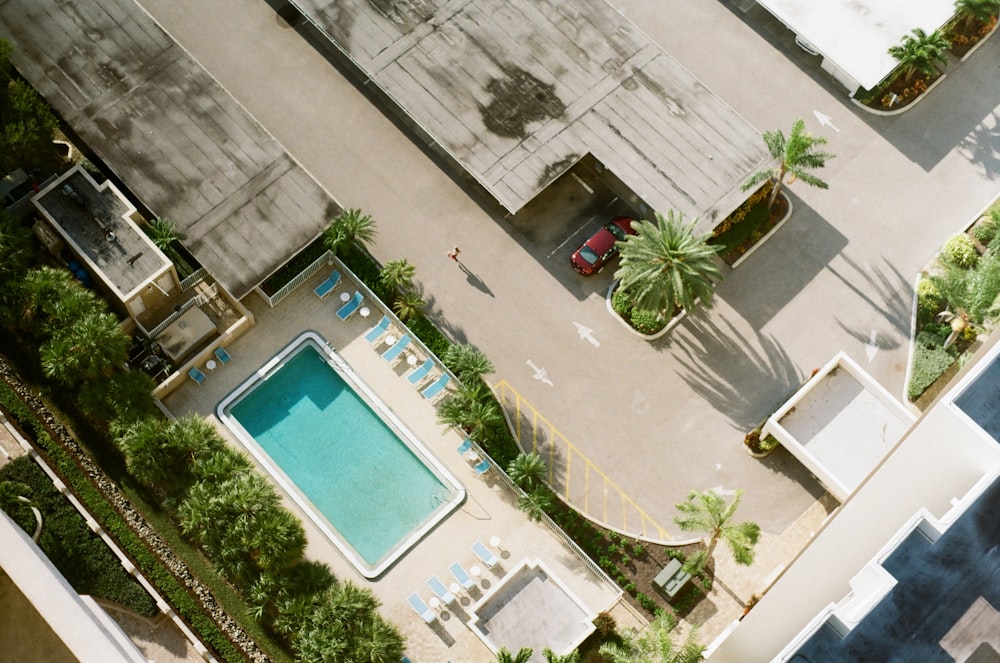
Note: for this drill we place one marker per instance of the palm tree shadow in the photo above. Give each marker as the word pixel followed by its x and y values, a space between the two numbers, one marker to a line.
pixel 893 300
pixel 982 146
pixel 744 381
pixel 474 280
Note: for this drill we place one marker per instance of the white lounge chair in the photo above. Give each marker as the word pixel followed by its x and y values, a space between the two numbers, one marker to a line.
pixel 421 608
pixel 438 588
pixel 461 576
pixel 484 554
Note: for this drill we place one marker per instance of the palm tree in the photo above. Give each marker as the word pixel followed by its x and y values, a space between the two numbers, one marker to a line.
pixel 35 295
pixel 164 233
pixel 973 295
pixel 665 266
pixel 397 275
pixel 126 396
pixel 527 471
pixel 470 409
pixel 552 657
pixel 16 247
pixel 95 345
pixel 522 656
pixel 219 465
pixel 654 645
pixel 163 455
pixel 349 229
pixel 536 503
pixel 408 306
pixel 795 156
pixel 708 512
pixel 468 363
pixel 977 10
pixel 918 52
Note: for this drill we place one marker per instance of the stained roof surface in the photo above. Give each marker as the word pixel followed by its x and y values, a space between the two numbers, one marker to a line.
pixel 518 90
pixel 170 132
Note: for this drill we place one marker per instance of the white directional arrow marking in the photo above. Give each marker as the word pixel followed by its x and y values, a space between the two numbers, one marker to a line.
pixel 825 120
pixel 871 347
pixel 722 492
pixel 540 373
pixel 587 334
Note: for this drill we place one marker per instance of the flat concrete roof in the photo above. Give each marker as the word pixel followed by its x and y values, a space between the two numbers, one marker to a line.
pixel 96 220
pixel 856 34
pixel 517 91
pixel 170 132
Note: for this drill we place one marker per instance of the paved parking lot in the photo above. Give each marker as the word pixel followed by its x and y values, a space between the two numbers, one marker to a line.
pixel 667 417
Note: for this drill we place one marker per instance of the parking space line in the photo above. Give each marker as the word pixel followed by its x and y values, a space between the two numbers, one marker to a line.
pixel 545 432
pixel 574 234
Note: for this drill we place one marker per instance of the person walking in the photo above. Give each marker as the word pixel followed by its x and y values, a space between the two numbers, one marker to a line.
pixel 453 254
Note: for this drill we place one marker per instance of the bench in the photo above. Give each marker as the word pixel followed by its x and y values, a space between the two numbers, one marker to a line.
pixel 671 579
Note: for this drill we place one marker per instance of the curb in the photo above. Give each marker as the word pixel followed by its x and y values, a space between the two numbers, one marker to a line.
pixel 899 111
pixel 674 321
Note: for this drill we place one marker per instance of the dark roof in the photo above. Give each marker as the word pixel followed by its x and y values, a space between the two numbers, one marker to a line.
pixel 95 219
pixel 938 598
pixel 517 91
pixel 170 132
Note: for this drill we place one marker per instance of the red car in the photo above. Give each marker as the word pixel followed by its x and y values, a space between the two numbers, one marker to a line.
pixel 595 253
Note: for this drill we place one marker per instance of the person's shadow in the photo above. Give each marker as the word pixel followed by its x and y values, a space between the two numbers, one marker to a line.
pixel 475 281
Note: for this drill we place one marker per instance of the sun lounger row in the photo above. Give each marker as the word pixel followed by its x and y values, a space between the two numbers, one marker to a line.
pixel 442 592
pixel 381 331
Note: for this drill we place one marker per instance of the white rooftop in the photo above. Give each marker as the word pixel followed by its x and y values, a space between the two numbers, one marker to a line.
pixel 840 425
pixel 855 35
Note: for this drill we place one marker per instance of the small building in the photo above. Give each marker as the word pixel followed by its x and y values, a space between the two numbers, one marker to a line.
pixel 96 224
pixel 853 36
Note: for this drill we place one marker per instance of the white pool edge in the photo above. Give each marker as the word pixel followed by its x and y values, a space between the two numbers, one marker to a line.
pixel 276 474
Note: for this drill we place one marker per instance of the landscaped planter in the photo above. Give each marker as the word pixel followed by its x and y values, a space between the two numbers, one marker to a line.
pixel 649 337
pixel 767 235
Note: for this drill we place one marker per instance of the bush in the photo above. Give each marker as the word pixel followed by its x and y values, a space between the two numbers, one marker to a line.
pixel 987 229
pixel 605 624
pixel 646 322
pixel 621 302
pixel 645 601
pixel 928 365
pixel 929 300
pixel 79 554
pixel 960 251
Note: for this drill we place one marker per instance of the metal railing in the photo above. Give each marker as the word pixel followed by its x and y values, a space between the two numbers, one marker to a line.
pixel 282 292
pixel 196 277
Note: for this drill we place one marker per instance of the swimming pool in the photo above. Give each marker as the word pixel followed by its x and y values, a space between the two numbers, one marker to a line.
pixel 360 475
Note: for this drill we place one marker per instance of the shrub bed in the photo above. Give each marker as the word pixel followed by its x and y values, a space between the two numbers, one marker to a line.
pixel 79 554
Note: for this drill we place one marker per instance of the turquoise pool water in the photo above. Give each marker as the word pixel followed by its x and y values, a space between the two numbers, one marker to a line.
pixel 341 455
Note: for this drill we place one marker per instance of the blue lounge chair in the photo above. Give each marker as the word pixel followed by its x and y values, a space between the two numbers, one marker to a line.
pixel 421 608
pixel 196 375
pixel 436 387
pixel 482 467
pixel 376 332
pixel 351 307
pixel 396 349
pixel 222 355
pixel 461 576
pixel 438 588
pixel 327 286
pixel 420 373
pixel 484 554
pixel 464 447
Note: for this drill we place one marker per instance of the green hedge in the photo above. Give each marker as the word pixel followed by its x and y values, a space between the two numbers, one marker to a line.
pixel 929 363
pixel 79 554
pixel 102 511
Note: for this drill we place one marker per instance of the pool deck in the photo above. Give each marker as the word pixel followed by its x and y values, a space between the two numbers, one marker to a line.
pixel 489 510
